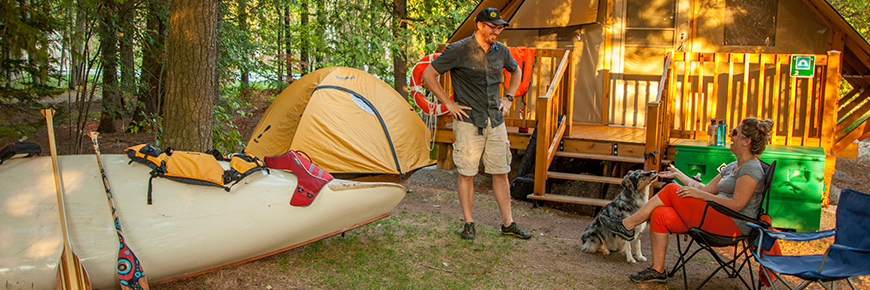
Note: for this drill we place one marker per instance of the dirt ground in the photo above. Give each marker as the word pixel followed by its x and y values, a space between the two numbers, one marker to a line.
pixel 563 227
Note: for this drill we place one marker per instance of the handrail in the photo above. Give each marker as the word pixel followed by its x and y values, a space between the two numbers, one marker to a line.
pixel 657 129
pixel 555 103
pixel 664 76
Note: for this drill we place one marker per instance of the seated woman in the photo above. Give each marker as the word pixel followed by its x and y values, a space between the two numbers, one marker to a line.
pixel 677 208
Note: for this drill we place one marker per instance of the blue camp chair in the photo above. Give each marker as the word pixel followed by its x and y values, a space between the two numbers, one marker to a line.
pixel 848 256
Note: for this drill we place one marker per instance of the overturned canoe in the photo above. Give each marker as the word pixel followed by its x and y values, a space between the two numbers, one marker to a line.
pixel 189 229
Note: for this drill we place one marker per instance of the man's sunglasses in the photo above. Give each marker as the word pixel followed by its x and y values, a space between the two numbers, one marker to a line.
pixel 495 27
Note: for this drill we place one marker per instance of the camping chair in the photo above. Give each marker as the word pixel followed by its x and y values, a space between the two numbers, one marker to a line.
pixel 742 244
pixel 848 256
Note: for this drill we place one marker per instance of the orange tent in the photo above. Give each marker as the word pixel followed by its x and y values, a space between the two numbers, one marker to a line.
pixel 347 121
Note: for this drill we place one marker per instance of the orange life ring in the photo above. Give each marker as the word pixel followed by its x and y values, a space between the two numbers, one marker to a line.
pixel 416 87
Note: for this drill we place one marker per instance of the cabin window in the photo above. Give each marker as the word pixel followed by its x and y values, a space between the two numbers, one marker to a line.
pixel 650 23
pixel 750 22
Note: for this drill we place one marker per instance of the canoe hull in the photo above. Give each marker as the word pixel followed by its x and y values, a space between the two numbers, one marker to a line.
pixel 189 229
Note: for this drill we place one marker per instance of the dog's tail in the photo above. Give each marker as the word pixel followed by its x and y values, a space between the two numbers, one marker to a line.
pixel 591 242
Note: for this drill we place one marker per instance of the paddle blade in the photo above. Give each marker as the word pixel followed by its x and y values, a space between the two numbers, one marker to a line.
pixel 129 269
pixel 71 275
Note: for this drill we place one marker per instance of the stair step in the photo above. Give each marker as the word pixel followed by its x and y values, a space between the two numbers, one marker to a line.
pixel 600 157
pixel 584 177
pixel 593 178
pixel 570 199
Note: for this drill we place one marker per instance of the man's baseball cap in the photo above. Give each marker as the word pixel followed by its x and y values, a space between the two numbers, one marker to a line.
pixel 491 15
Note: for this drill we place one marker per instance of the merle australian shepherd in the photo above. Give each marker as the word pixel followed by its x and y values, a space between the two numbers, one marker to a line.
pixel 635 193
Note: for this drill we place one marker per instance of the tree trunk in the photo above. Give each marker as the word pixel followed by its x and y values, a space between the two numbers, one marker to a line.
pixel 243 27
pixel 125 38
pixel 304 45
pixel 283 38
pixel 77 73
pixel 320 29
pixel 400 70
pixel 153 75
pixel 191 84
pixel 111 99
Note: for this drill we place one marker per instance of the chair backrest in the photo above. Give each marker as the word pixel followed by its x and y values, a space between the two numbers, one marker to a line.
pixel 852 220
pixel 766 182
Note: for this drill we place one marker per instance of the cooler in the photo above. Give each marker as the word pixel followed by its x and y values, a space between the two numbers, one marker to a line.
pixel 797 187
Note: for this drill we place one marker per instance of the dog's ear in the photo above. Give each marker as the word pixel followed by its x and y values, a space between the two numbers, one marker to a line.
pixel 630 180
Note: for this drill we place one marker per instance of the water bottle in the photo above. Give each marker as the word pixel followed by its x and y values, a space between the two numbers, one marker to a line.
pixel 712 133
pixel 722 133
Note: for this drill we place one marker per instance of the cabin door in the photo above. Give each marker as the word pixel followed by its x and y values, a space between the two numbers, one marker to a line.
pixel 644 31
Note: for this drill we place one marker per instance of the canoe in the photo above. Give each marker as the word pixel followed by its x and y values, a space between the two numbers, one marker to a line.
pixel 189 229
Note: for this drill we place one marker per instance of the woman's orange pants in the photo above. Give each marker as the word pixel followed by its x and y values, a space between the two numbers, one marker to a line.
pixel 679 214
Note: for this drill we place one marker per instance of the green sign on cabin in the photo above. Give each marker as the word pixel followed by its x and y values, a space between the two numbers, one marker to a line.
pixel 802 66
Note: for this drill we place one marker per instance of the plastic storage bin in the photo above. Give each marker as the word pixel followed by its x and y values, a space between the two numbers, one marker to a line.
pixel 798 183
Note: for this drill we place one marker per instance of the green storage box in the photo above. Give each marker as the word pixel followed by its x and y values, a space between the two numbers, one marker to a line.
pixel 798 183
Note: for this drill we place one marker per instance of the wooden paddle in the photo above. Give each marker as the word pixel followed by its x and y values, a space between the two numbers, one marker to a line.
pixel 129 269
pixel 70 272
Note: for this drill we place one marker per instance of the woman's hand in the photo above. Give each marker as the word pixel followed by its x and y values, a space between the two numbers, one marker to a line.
pixel 688 191
pixel 671 172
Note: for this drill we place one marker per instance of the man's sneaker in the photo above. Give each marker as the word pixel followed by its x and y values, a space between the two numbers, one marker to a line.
pixel 468 231
pixel 515 230
pixel 649 275
pixel 615 225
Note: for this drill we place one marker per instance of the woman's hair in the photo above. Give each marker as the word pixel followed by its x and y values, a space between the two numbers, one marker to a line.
pixel 759 132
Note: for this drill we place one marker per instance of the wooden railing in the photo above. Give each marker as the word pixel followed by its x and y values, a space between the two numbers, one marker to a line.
pixel 658 119
pixel 547 64
pixel 555 112
pixel 733 86
pixel 697 87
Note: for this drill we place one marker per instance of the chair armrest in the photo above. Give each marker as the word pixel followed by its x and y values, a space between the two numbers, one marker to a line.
pixel 789 236
pixel 839 247
pixel 734 214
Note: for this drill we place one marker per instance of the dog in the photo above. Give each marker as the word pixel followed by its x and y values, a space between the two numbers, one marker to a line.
pixel 635 193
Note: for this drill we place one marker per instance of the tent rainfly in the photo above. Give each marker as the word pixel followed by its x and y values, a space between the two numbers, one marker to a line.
pixel 347 121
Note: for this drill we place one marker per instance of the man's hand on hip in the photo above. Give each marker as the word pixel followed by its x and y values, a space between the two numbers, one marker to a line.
pixel 457 111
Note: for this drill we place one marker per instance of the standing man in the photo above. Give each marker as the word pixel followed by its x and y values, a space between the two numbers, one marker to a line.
pixel 476 64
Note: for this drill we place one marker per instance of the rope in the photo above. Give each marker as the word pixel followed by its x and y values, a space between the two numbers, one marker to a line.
pixel 431 122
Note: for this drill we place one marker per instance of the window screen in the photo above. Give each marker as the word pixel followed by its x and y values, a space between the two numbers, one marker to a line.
pixel 750 22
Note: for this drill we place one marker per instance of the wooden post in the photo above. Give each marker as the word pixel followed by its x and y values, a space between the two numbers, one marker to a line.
pixel 605 97
pixel 544 134
pixel 568 80
pixel 653 130
pixel 829 119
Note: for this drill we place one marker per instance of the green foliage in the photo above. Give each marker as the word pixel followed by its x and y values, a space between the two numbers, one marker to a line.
pixel 855 12
pixel 26 67
pixel 225 135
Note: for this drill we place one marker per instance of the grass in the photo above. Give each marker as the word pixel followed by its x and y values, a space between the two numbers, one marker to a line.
pixel 417 251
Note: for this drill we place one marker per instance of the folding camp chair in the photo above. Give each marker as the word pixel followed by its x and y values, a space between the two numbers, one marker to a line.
pixel 742 244
pixel 848 256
